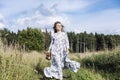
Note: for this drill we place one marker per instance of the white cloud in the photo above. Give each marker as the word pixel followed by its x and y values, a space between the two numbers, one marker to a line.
pixel 2 25
pixel 40 20
pixel 2 22
pixel 49 11
pixel 107 21
pixel 69 5
pixel 117 31
pixel 72 5
pixel 16 6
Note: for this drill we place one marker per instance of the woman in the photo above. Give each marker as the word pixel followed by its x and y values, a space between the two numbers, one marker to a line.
pixel 59 47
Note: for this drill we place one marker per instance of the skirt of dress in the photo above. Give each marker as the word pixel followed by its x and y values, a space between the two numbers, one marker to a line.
pixel 58 62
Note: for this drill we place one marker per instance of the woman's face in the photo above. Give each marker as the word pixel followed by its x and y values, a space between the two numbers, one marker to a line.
pixel 58 27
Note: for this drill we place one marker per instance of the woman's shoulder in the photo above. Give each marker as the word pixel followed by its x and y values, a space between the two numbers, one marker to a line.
pixel 54 34
pixel 64 33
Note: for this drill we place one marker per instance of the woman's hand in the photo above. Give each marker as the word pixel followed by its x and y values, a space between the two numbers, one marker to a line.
pixel 48 51
pixel 48 55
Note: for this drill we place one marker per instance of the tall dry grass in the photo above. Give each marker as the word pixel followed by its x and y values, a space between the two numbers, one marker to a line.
pixel 21 65
pixel 18 65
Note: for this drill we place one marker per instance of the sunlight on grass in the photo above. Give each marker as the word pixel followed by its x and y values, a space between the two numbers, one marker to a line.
pixel 21 65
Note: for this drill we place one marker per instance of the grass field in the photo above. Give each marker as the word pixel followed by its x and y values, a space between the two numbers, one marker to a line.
pixel 21 65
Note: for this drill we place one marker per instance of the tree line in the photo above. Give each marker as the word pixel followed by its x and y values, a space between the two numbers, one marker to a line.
pixel 82 42
pixel 27 39
pixel 34 39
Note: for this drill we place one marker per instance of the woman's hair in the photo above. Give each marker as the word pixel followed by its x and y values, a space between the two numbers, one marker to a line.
pixel 54 27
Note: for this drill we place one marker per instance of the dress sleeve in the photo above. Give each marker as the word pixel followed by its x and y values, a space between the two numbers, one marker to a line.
pixel 66 41
pixel 50 47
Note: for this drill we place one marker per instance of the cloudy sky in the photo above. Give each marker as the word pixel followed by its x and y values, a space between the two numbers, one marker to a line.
pixel 102 16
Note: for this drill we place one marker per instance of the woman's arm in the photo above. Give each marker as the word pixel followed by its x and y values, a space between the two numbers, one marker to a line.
pixel 50 47
pixel 66 42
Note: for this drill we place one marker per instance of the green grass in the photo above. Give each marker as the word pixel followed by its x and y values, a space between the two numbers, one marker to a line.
pixel 11 69
pixel 82 74
pixel 108 65
pixel 16 65
pixel 17 73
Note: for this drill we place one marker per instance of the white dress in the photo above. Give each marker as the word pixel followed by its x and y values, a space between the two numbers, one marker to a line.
pixel 59 44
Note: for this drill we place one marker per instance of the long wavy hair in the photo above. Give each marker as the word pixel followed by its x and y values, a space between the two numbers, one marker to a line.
pixel 54 27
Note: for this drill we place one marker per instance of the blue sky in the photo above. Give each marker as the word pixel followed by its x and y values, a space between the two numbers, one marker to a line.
pixel 102 16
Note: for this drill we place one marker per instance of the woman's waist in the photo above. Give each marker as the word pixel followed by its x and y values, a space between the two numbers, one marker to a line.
pixel 58 46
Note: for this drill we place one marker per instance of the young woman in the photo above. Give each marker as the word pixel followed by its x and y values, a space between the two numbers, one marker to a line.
pixel 59 47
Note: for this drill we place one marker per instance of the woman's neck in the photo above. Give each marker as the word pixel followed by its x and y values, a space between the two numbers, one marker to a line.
pixel 59 31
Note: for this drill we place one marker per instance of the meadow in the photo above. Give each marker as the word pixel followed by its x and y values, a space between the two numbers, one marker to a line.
pixel 22 65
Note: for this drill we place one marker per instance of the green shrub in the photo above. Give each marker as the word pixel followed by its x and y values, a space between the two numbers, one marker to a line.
pixel 106 63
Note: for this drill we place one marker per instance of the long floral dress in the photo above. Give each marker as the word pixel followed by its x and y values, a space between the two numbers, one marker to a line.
pixel 59 44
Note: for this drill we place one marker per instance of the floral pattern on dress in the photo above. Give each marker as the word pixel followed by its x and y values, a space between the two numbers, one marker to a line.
pixel 58 47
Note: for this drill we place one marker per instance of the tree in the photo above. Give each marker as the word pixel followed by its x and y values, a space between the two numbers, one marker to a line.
pixel 100 41
pixel 32 39
pixel 110 42
pixel 4 35
pixel 47 39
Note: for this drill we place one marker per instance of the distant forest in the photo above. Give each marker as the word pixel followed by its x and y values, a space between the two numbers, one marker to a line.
pixel 34 39
pixel 83 42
